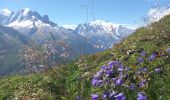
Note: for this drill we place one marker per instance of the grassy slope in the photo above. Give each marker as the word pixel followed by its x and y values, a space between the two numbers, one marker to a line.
pixel 65 82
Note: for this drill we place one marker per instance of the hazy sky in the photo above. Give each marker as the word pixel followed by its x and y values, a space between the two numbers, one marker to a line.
pixel 75 11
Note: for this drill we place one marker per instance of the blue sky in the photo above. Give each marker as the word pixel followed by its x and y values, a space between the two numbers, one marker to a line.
pixel 75 11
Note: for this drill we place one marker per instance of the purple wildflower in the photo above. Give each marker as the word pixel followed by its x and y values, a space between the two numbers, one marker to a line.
pixel 112 94
pixel 120 96
pixel 94 82
pixel 95 97
pixel 103 67
pixel 158 70
pixel 168 50
pixel 78 98
pixel 152 57
pixel 140 60
pixel 142 83
pixel 119 81
pixel 141 96
pixel 113 63
pixel 105 95
pixel 98 74
pixel 138 72
pixel 144 69
pixel 120 68
pixel 132 86
pixel 114 79
pixel 100 83
pixel 109 73
pixel 143 53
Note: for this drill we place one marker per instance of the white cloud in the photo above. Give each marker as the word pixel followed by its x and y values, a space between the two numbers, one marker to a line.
pixel 155 14
pixel 69 26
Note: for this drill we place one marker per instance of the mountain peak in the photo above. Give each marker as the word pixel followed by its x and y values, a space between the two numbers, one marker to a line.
pixel 26 10
pixel 28 15
pixel 6 12
pixel 102 26
pixel 104 23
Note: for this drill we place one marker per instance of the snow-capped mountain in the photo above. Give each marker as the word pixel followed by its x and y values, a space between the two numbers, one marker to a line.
pixel 5 16
pixel 45 32
pixel 28 21
pixel 103 34
pixel 64 43
pixel 28 14
pixel 99 35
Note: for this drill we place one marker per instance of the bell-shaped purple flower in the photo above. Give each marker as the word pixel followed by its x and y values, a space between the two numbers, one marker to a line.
pixel 120 68
pixel 142 83
pixel 140 60
pixel 78 98
pixel 112 63
pixel 104 67
pixel 119 81
pixel 158 70
pixel 114 79
pixel 105 95
pixel 144 69
pixel 132 86
pixel 94 82
pixel 100 83
pixel 141 96
pixel 94 96
pixel 143 53
pixel 168 50
pixel 120 96
pixel 112 94
pixel 152 57
pixel 98 74
pixel 109 73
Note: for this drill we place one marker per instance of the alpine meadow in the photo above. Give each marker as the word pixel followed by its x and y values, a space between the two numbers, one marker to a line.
pixel 85 50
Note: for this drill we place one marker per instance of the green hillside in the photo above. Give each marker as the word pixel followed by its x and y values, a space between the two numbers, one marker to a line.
pixel 147 48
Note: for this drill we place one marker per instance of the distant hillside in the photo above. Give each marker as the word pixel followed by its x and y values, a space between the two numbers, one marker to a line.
pixel 11 43
pixel 68 81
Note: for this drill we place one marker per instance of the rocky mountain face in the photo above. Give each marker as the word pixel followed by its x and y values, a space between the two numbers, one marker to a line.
pixel 103 34
pixel 5 16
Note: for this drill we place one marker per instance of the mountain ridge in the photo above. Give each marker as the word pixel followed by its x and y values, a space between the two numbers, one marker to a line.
pixel 63 44
pixel 30 23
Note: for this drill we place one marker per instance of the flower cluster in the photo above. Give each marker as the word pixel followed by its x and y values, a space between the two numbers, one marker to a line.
pixel 115 77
